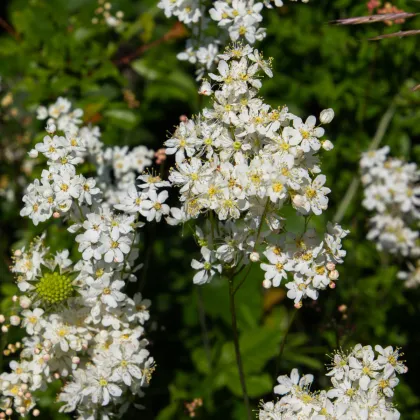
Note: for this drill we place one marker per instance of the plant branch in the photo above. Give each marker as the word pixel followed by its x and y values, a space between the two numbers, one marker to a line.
pixel 203 324
pixel 9 29
pixel 237 349
pixel 354 186
pixel 177 31
pixel 283 341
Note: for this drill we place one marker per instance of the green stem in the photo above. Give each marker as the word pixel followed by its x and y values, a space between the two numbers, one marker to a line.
pixel 237 349
pixel 354 186
pixel 203 325
pixel 283 341
pixel 254 247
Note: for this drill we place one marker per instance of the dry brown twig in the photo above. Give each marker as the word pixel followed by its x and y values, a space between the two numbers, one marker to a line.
pixel 399 34
pixel 373 18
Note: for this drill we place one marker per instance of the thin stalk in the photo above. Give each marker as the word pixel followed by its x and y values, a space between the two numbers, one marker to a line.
pixel 283 341
pixel 354 186
pixel 203 325
pixel 255 246
pixel 237 349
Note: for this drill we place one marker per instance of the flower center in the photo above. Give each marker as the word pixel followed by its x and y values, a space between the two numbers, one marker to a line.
pixel 54 288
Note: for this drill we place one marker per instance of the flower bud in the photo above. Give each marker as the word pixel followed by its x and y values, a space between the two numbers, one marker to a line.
pixel 298 305
pixel 342 308
pixel 46 357
pixel 2 415
pixel 17 253
pixel 36 413
pixel 298 200
pixel 75 360
pixel 33 153
pixel 327 115
pixel 15 320
pixel 332 285
pixel 56 215
pixel 4 329
pixel 24 302
pixel 334 275
pixel 22 409
pixel 205 89
pixel 56 375
pixel 24 387
pixel 266 284
pixel 51 128
pixel 330 266
pixel 28 395
pixel 9 412
pixel 15 298
pixel 2 318
pixel 327 145
pixel 254 256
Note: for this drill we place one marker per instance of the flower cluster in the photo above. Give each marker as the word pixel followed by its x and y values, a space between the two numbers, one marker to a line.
pixel 241 163
pixel 362 387
pixel 82 327
pixel 393 193
pixel 241 20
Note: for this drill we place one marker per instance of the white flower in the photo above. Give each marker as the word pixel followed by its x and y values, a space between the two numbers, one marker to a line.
pixel 207 268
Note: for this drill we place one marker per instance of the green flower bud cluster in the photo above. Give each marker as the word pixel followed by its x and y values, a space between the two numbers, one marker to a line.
pixel 54 288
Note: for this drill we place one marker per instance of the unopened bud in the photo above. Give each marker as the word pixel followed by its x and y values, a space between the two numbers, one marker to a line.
pixel 298 305
pixel 56 375
pixel 17 253
pixel 37 351
pixel 51 128
pixel 33 153
pixel 342 308
pixel 333 275
pixel 326 116
pixel 2 318
pixel 332 285
pixel 56 215
pixel 36 413
pixel 327 145
pixel 9 412
pixel 15 320
pixel 24 387
pixel 330 266
pixel 21 410
pixel 20 394
pixel 28 395
pixel 6 352
pixel 4 329
pixel 205 89
pixel 298 200
pixel 266 284
pixel 2 415
pixel 254 256
pixel 15 298
pixel 75 360
pixel 46 357
pixel 24 302
pixel 183 118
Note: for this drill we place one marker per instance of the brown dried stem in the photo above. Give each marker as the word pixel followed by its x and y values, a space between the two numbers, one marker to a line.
pixel 399 34
pixel 373 18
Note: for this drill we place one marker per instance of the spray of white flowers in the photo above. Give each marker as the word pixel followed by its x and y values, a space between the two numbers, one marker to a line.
pixel 363 385
pixel 392 192
pixel 239 20
pixel 82 327
pixel 242 164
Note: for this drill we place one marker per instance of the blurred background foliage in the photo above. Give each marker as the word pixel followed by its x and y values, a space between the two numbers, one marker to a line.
pixel 130 83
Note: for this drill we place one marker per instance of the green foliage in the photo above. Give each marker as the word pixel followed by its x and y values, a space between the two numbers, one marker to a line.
pixel 57 51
